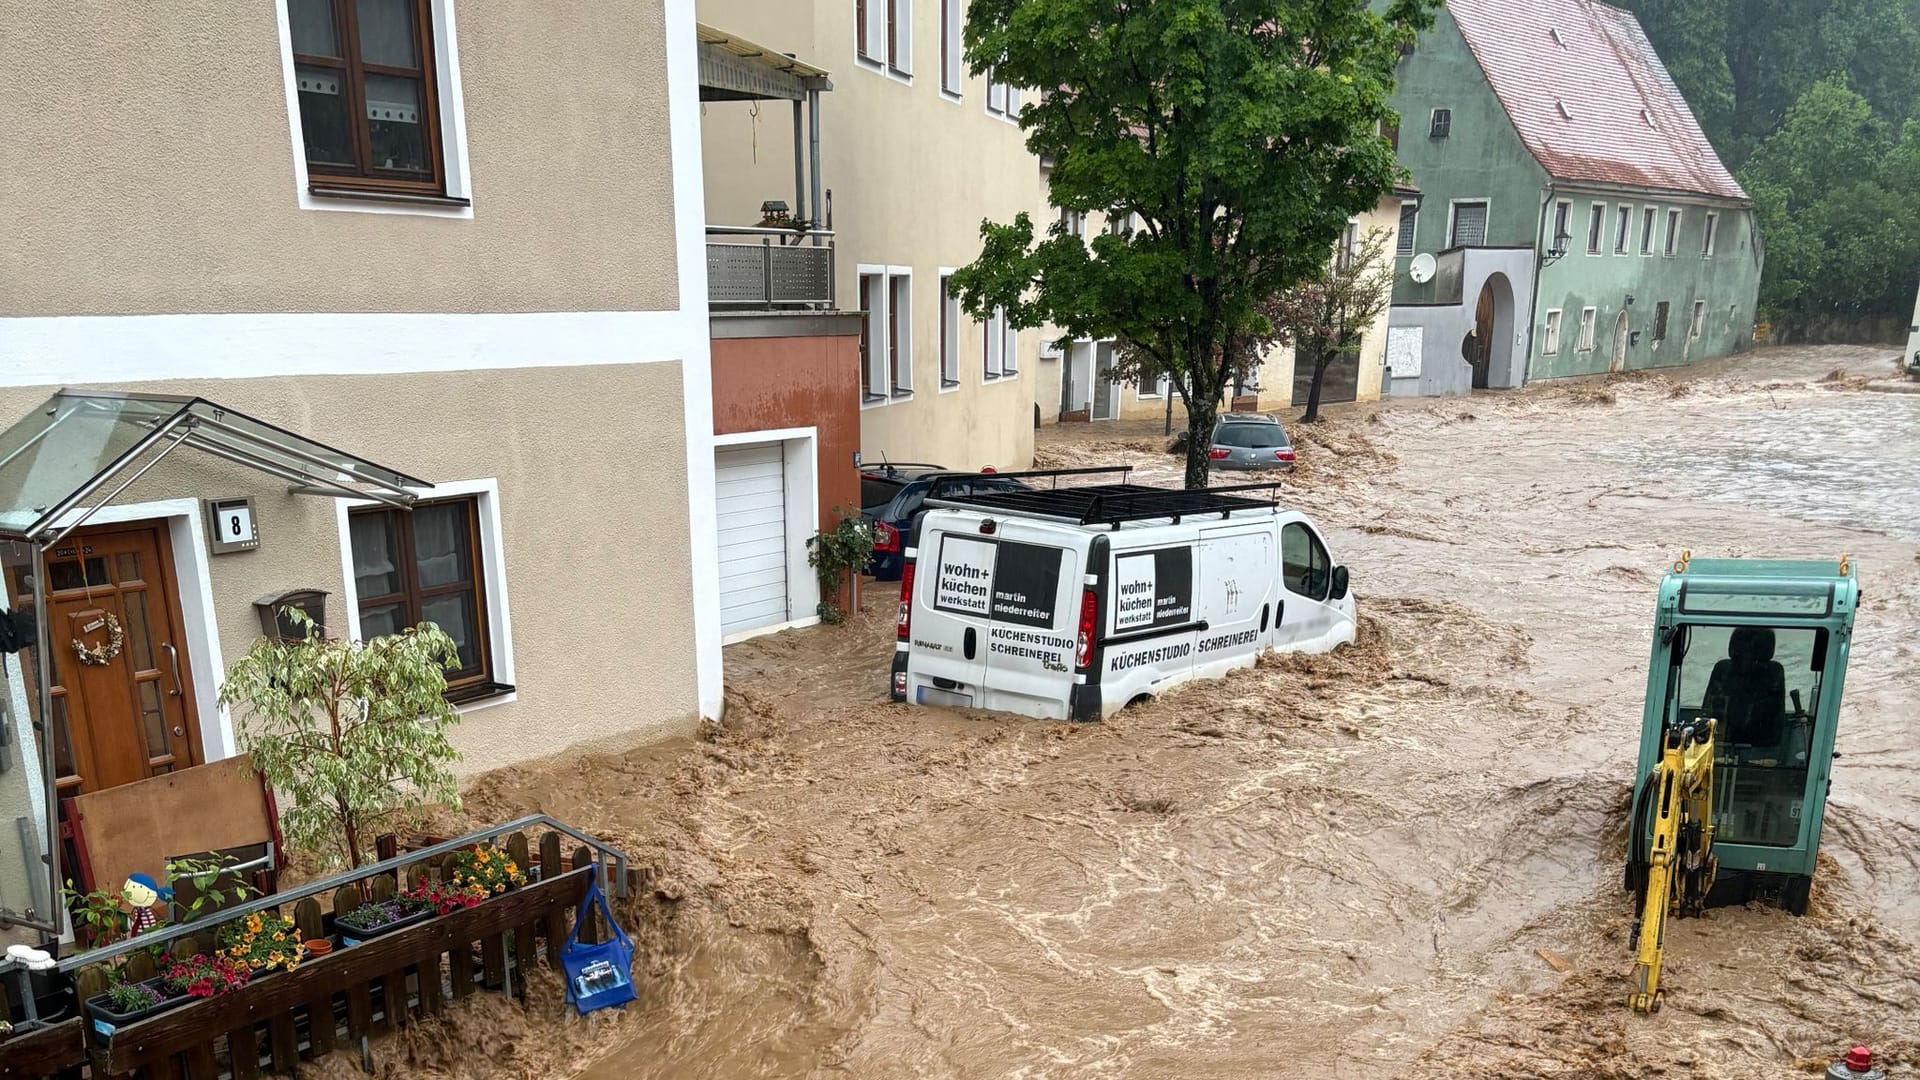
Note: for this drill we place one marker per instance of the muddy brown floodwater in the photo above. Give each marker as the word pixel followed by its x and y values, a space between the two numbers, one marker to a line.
pixel 1338 866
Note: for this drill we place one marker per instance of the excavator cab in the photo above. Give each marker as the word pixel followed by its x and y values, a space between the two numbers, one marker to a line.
pixel 1760 648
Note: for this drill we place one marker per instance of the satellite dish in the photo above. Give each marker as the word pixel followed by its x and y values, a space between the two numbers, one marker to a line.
pixel 1422 268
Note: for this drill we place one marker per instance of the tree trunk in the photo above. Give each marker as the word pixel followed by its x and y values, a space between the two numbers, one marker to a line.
pixel 1320 360
pixel 1200 417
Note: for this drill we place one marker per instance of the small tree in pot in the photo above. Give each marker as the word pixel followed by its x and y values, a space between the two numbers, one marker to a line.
pixel 352 732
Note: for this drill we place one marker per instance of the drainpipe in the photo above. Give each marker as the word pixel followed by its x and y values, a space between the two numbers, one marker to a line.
pixel 813 158
pixel 1539 255
pixel 799 168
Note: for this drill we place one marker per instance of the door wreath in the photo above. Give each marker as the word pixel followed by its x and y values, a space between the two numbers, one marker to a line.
pixel 104 653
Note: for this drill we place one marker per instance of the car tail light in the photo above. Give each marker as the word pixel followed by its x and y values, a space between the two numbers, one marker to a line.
pixel 885 537
pixel 1089 612
pixel 1219 454
pixel 1285 453
pixel 988 469
pixel 905 624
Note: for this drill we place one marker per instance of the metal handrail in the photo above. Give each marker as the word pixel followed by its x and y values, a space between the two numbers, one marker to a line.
pixel 761 230
pixel 259 904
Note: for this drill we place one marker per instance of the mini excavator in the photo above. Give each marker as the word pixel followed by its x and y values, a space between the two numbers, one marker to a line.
pixel 1736 742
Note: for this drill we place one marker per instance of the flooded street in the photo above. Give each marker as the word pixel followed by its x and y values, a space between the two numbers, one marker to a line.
pixel 1339 866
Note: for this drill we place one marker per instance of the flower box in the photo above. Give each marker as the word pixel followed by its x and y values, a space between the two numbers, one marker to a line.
pixel 351 935
pixel 106 1019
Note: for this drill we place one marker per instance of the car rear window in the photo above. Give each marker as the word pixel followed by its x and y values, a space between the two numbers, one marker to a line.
pixel 876 492
pixel 1255 436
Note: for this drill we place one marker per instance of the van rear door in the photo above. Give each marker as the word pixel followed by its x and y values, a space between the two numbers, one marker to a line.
pixel 952 587
pixel 1032 628
pixel 1235 593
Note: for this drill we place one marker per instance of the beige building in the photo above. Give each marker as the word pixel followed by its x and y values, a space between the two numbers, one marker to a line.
pixel 1076 383
pixel 462 241
pixel 913 154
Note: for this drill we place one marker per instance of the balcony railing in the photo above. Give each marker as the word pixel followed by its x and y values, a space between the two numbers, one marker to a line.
pixel 769 268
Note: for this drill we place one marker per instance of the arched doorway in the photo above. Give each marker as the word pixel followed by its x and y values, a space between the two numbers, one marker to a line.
pixel 1620 338
pixel 1491 342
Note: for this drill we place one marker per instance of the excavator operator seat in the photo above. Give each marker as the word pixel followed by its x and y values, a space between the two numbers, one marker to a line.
pixel 1748 690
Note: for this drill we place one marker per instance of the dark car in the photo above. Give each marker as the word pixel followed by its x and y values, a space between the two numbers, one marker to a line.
pixel 893 519
pixel 1250 442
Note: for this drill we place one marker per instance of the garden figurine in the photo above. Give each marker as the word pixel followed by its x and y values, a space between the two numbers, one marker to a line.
pixel 141 892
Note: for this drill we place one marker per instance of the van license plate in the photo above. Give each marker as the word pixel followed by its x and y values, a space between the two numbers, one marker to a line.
pixel 932 696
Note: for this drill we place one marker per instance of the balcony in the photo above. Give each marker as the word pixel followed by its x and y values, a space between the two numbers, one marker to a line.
pixel 761 267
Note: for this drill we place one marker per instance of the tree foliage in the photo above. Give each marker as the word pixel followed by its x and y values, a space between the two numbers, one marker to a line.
pixel 353 732
pixel 1326 315
pixel 1812 105
pixel 1239 136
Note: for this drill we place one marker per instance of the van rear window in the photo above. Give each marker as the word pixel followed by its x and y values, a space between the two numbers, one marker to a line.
pixel 1003 580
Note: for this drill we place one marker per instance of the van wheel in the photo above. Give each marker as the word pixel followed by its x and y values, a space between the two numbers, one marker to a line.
pixel 1139 699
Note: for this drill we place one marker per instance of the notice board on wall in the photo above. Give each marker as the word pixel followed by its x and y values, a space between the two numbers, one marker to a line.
pixel 1403 351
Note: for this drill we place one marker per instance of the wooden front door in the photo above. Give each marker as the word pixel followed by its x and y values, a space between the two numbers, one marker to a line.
pixel 123 706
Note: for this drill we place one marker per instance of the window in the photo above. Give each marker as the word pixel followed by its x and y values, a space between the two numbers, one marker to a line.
pixel 425 566
pixel 1585 344
pixel 1304 567
pixel 873 315
pixel 863 35
pixel 1390 131
pixel 1469 225
pixel 1073 222
pixel 1706 243
pixel 1550 341
pixel 1442 125
pixel 900 332
pixel 1596 228
pixel 1409 221
pixel 369 108
pixel 1002 100
pixel 1660 322
pixel 1349 247
pixel 1673 232
pixel 1647 218
pixel 1118 223
pixel 883 33
pixel 993 343
pixel 950 16
pixel 949 334
pixel 1622 222
pixel 899 35
pixel 1698 324
pixel 1009 345
pixel 1562 227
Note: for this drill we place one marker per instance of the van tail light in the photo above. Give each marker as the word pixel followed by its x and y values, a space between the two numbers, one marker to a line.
pixel 1219 454
pixel 905 624
pixel 885 537
pixel 1089 612
pixel 1285 453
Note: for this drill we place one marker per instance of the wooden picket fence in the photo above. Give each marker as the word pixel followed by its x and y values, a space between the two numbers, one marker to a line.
pixel 340 1001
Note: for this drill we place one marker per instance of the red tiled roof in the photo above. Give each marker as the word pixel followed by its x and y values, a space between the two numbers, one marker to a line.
pixel 1589 96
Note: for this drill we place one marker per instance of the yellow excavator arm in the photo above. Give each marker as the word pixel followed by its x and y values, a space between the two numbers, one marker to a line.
pixel 1674 819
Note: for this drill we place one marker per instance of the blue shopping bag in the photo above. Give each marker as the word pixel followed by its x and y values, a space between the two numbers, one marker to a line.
pixel 597 975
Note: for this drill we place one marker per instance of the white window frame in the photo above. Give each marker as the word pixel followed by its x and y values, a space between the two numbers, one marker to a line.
pixel 453 126
pixel 902 11
pixel 1550 337
pixel 1561 206
pixel 1404 244
pixel 993 344
pixel 1623 228
pixel 952 73
pixel 1674 218
pixel 1589 325
pixel 1434 114
pixel 493 570
pixel 879 392
pixel 1598 209
pixel 1009 107
pixel 1453 217
pixel 1711 235
pixel 1697 325
pixel 876 34
pixel 1009 347
pixel 1074 220
pixel 1649 230
pixel 950 333
pixel 900 332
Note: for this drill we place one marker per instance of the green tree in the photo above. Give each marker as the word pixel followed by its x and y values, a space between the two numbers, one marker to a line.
pixel 353 732
pixel 1239 136
pixel 1327 315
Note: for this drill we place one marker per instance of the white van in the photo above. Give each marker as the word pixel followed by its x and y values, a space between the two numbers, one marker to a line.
pixel 1077 602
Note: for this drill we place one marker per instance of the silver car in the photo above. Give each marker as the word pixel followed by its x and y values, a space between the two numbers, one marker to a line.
pixel 1250 442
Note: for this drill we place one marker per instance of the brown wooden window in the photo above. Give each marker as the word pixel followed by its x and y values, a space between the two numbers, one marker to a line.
pixel 369 113
pixel 423 565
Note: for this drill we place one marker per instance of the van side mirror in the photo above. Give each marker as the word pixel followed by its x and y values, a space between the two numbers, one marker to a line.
pixel 1339 583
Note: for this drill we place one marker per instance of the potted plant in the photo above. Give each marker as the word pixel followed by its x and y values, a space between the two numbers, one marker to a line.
pixel 125 1003
pixel 203 976
pixel 380 917
pixel 353 732
pixel 484 870
pixel 262 943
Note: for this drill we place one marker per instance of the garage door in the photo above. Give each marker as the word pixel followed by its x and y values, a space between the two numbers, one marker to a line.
pixel 750 487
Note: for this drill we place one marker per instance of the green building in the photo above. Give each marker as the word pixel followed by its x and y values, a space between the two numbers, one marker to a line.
pixel 1573 219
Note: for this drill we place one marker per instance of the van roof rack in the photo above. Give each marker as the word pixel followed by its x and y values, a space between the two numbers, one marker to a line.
pixel 1115 504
